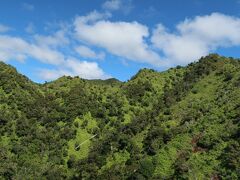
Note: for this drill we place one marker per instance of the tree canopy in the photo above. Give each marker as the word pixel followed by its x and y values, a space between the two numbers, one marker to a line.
pixel 183 123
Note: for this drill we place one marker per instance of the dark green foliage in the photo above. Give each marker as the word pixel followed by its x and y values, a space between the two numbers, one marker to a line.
pixel 136 91
pixel 183 123
pixel 231 159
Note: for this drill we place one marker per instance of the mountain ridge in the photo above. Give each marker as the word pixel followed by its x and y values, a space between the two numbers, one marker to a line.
pixel 140 71
pixel 182 123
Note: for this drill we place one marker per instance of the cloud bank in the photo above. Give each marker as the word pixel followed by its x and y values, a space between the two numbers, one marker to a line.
pixel 196 37
pixel 15 48
pixel 124 39
pixel 73 49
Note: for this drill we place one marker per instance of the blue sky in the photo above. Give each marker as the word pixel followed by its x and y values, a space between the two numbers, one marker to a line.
pixel 114 38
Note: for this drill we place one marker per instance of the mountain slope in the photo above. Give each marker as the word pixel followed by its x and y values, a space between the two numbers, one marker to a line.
pixel 179 124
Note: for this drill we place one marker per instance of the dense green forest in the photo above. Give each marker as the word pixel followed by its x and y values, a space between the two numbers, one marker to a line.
pixel 183 123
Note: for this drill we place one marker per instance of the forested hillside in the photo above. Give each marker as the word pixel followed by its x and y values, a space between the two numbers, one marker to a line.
pixel 183 123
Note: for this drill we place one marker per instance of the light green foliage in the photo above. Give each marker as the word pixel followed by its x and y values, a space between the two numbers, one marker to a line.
pixel 118 158
pixel 166 157
pixel 182 123
pixel 81 141
pixel 81 136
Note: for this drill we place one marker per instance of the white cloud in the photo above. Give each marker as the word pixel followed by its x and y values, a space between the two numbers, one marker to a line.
pixel 52 74
pixel 45 55
pixel 92 17
pixel 124 39
pixel 28 7
pixel 191 39
pixel 57 39
pixel 14 48
pixel 112 5
pixel 197 37
pixel 86 52
pixel 73 67
pixel 4 28
pixel 89 70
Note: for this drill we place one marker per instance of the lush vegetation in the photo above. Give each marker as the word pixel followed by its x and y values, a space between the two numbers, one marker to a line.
pixel 183 123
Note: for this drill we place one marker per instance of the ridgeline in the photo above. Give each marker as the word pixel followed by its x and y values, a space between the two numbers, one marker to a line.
pixel 183 123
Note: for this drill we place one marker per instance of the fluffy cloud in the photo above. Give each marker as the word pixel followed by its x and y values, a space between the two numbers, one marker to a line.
pixel 52 74
pixel 124 39
pixel 92 17
pixel 89 70
pixel 73 67
pixel 86 52
pixel 19 49
pixel 45 55
pixel 197 37
pixel 191 39
pixel 57 39
pixel 14 48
